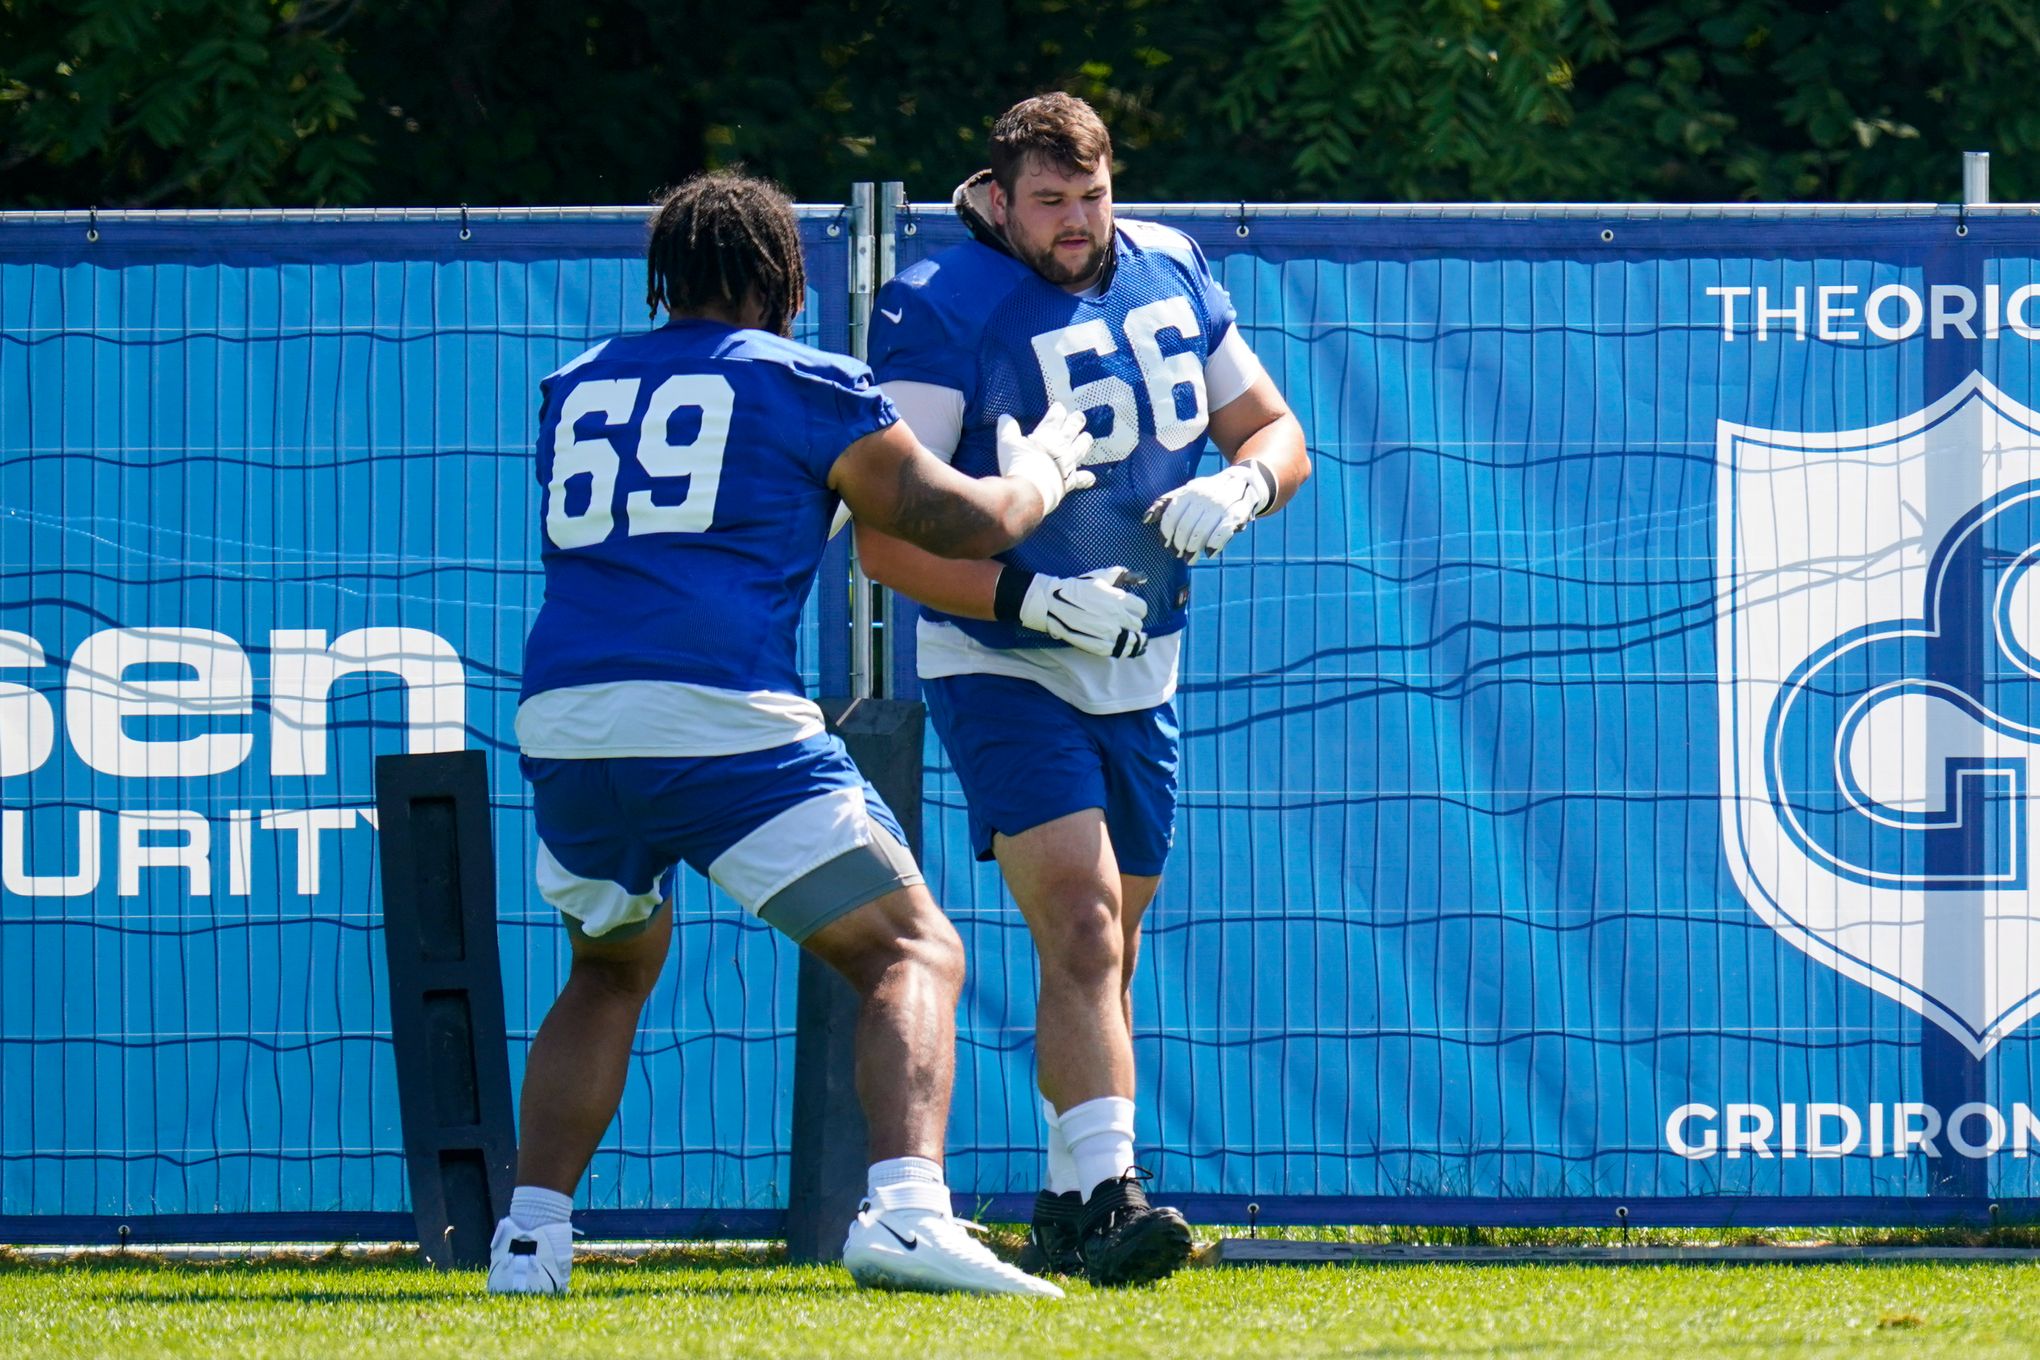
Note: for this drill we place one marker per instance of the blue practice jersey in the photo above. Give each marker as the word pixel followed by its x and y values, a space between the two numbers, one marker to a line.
pixel 978 321
pixel 686 505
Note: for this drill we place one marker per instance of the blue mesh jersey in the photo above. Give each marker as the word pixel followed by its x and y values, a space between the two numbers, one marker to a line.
pixel 686 505
pixel 978 321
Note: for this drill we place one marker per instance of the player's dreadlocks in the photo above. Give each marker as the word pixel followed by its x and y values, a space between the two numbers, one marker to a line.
pixel 719 238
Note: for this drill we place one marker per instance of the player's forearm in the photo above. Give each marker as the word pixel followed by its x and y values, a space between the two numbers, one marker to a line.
pixel 965 588
pixel 1279 447
pixel 891 483
pixel 953 516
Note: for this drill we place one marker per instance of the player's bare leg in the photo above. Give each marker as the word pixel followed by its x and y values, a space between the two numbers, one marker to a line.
pixel 573 1081
pixel 899 952
pixel 906 963
pixel 1065 877
pixel 1136 894
pixel 573 1078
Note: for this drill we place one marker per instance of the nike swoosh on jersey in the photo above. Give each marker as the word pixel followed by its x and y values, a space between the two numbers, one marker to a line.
pixel 893 317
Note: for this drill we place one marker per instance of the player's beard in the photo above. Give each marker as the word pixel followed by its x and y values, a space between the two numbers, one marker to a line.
pixel 1045 262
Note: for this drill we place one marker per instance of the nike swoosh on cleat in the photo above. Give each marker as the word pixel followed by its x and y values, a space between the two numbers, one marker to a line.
pixel 908 1242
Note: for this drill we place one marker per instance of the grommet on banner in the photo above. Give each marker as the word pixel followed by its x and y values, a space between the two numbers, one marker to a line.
pixel 908 226
pixel 1607 233
pixel 1622 1217
pixel 1240 227
pixel 1253 1217
pixel 464 232
pixel 92 223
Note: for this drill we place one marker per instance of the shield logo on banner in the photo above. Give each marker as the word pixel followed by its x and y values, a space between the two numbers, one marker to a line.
pixel 1879 634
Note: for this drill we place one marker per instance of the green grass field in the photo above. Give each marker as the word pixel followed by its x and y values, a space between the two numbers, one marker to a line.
pixel 719 1305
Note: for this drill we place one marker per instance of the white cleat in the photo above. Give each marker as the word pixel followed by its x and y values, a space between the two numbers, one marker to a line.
pixel 531 1260
pixel 915 1247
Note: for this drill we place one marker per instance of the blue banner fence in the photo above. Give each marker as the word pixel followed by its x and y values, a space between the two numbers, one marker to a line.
pixel 1592 811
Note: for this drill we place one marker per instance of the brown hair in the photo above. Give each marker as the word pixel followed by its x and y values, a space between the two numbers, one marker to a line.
pixel 1056 129
pixel 721 237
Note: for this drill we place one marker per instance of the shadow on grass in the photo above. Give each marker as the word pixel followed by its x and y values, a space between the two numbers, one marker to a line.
pixel 1548 1265
pixel 183 1298
pixel 610 1283
pixel 2010 1234
pixel 112 1260
pixel 407 1260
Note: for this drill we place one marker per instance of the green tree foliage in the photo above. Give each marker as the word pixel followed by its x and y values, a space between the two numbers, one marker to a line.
pixel 149 102
pixel 1680 100
pixel 605 100
pixel 207 102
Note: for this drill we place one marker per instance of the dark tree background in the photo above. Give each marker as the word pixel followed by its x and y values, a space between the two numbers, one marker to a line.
pixel 398 102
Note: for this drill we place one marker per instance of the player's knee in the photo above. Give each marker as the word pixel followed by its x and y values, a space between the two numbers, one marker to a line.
pixel 936 949
pixel 628 978
pixel 1082 942
pixel 916 939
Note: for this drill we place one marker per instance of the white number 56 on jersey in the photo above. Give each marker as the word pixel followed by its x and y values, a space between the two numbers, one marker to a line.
pixel 701 458
pixel 1161 374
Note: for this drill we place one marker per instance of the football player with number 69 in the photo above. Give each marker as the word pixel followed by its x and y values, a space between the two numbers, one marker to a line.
pixel 1049 669
pixel 689 475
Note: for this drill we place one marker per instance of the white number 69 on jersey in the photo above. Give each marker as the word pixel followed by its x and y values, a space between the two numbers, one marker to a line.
pixel 1160 374
pixel 701 458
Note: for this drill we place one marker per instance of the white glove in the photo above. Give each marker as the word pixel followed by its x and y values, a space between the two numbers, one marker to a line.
pixel 1203 514
pixel 1093 612
pixel 1048 458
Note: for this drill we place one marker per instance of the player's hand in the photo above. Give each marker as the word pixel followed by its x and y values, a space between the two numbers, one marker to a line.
pixel 1048 457
pixel 1093 612
pixel 1203 514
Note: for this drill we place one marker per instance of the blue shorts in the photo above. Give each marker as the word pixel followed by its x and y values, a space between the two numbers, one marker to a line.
pixel 1024 757
pixel 772 828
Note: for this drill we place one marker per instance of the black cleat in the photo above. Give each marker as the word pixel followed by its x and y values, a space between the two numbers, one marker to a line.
pixel 1052 1238
pixel 1125 1240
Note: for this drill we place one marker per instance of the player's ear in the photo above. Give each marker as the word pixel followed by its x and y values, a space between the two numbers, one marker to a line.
pixel 996 195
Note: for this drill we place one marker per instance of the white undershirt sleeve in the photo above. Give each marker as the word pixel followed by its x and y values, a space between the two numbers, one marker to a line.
pixel 1228 373
pixel 933 413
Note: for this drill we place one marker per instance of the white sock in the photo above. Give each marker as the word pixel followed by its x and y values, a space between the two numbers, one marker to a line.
pixel 1100 1136
pixel 900 1170
pixel 908 1183
pixel 1062 1169
pixel 533 1206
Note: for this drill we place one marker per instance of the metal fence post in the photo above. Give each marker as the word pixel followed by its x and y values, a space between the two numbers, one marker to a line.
pixel 829 1145
pixel 1975 178
pixel 885 607
pixel 1950 1075
pixel 863 284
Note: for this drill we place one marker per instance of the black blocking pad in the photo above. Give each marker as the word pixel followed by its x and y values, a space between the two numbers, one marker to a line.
pixel 446 999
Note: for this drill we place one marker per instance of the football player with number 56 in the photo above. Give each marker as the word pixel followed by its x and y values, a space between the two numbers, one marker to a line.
pixel 1049 669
